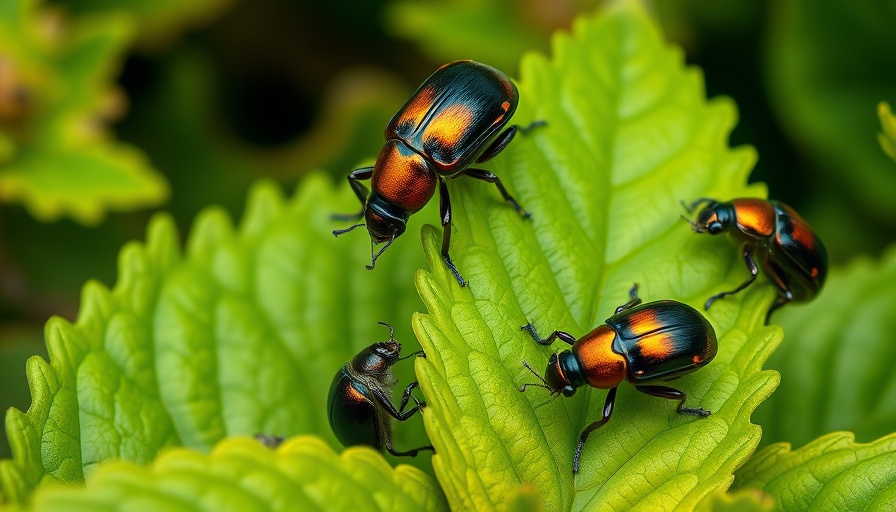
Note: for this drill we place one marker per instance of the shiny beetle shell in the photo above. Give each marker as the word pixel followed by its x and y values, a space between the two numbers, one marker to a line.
pixel 366 423
pixel 455 113
pixel 662 340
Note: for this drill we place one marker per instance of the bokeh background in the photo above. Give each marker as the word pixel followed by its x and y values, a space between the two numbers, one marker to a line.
pixel 220 93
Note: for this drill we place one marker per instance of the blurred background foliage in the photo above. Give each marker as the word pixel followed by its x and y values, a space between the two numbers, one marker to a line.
pixel 193 100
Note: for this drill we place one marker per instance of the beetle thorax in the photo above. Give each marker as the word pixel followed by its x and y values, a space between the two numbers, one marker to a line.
pixel 375 362
pixel 403 177
pixel 601 366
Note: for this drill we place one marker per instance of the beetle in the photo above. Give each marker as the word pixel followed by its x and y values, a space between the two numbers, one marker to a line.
pixel 789 252
pixel 453 120
pixel 641 344
pixel 360 407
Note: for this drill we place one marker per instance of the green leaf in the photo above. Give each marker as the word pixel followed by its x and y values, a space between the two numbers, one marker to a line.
pixel 831 473
pixel 239 334
pixel 629 135
pixel 829 63
pixel 17 344
pixel 887 138
pixel 241 474
pixel 743 500
pixel 835 360
pixel 55 155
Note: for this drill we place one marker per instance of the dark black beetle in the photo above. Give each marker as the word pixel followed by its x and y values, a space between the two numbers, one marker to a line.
pixel 790 253
pixel 453 120
pixel 641 344
pixel 360 405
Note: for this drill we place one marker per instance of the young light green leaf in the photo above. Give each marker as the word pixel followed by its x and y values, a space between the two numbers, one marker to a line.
pixel 887 138
pixel 58 93
pixel 835 361
pixel 831 473
pixel 629 135
pixel 240 334
pixel 241 474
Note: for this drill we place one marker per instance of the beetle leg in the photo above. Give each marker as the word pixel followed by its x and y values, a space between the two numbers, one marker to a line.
pixel 524 130
pixel 783 298
pixel 498 145
pixel 420 353
pixel 445 211
pixel 608 410
pixel 354 180
pixel 482 174
pixel 501 141
pixel 386 403
pixel 561 335
pixel 409 453
pixel 697 202
pixel 784 294
pixel 406 396
pixel 635 300
pixel 751 266
pixel 673 394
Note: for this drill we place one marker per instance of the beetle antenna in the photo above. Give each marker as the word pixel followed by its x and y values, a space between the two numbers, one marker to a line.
pixel 694 225
pixel 373 257
pixel 337 232
pixel 391 331
pixel 543 384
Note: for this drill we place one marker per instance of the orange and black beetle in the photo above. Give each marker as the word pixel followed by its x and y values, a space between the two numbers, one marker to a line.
pixel 453 120
pixel 791 255
pixel 640 343
pixel 360 405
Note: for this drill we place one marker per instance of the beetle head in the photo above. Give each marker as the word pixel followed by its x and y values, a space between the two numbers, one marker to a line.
pixel 385 223
pixel 714 218
pixel 379 357
pixel 562 375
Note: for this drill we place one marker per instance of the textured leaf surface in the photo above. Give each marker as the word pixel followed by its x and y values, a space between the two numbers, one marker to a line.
pixel 55 156
pixel 830 63
pixel 830 473
pixel 887 138
pixel 239 334
pixel 836 360
pixel 241 474
pixel 629 135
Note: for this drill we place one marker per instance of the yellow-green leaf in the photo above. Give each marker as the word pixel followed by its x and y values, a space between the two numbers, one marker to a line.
pixel 629 135
pixel 241 474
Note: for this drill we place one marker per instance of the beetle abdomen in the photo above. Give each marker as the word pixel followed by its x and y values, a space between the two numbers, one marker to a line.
pixel 804 261
pixel 663 340
pixel 454 113
pixel 353 417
